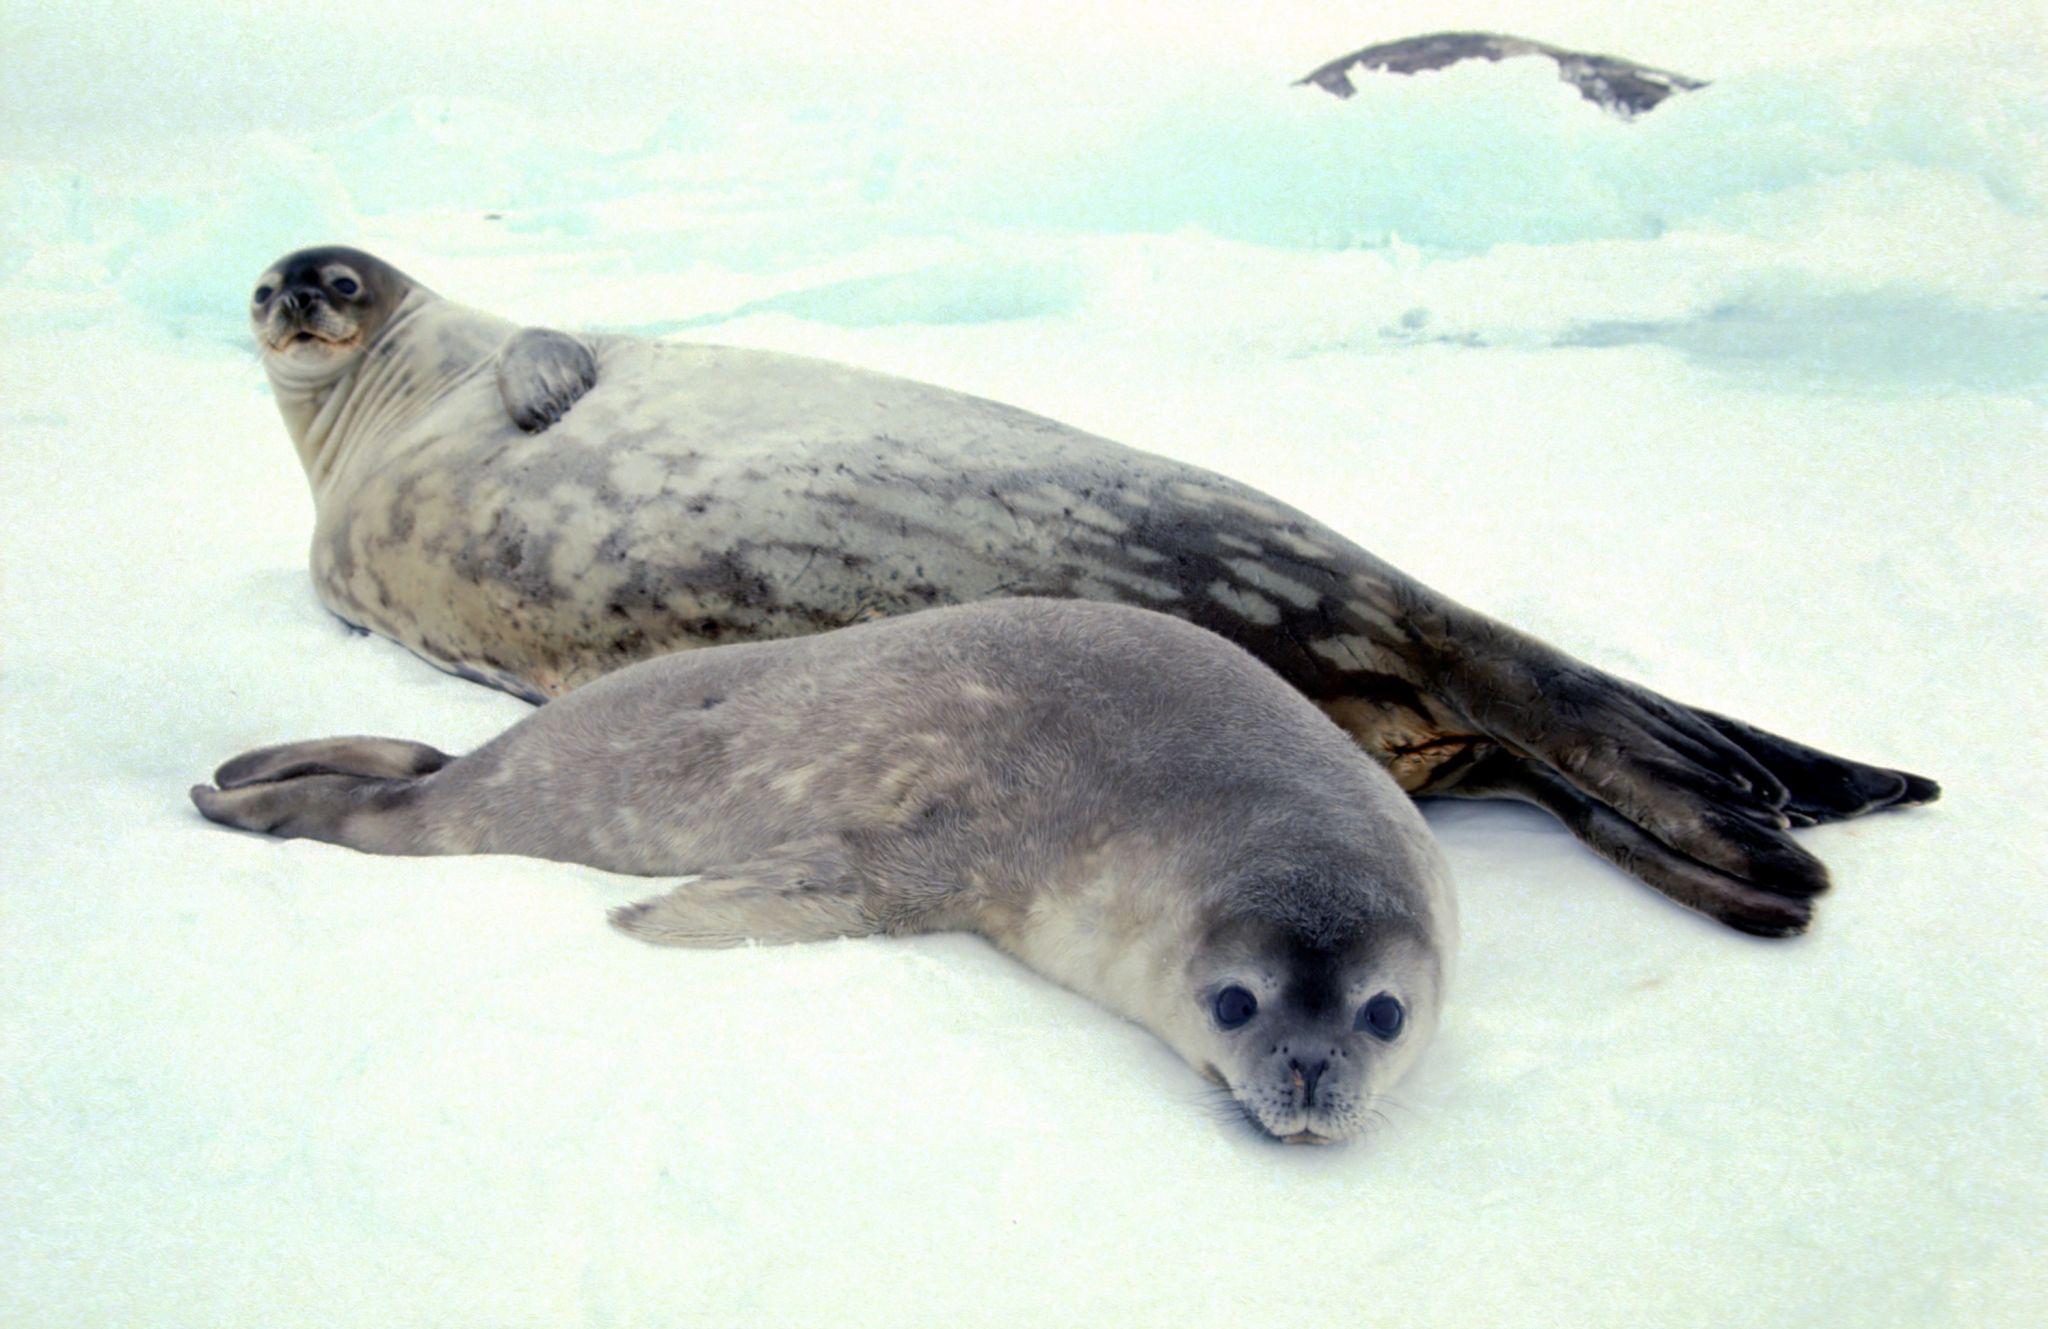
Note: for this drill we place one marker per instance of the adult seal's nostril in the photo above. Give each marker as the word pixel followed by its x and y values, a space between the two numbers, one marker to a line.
pixel 1305 1076
pixel 718 495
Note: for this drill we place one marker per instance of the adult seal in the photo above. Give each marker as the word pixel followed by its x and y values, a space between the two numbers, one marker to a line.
pixel 1126 803
pixel 533 510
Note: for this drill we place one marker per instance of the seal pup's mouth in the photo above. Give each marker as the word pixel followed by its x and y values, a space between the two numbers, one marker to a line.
pixel 1306 1137
pixel 1231 1106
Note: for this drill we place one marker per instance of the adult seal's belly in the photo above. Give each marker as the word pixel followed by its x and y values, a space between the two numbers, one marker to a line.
pixel 534 509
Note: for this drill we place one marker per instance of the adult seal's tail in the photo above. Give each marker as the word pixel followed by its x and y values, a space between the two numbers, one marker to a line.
pixel 1129 805
pixel 534 509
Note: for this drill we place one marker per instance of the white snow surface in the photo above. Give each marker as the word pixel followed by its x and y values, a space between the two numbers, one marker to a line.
pixel 1744 401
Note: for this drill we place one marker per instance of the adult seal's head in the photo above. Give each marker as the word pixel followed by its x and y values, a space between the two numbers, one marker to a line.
pixel 535 508
pixel 316 315
pixel 315 310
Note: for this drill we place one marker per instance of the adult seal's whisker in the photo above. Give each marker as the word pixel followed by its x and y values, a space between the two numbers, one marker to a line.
pixel 535 508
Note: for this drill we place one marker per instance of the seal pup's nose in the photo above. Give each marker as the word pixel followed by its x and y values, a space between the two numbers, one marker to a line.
pixel 1305 1076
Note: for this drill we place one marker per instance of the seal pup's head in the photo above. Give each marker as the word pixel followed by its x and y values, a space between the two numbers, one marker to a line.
pixel 1309 995
pixel 313 311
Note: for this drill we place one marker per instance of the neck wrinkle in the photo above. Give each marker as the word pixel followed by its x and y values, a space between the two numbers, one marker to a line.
pixel 325 416
pixel 319 443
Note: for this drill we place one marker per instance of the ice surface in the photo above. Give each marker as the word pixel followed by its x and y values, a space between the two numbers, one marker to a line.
pixel 1744 400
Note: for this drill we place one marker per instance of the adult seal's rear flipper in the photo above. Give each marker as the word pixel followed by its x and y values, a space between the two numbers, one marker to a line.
pixel 1695 804
pixel 712 495
pixel 1718 895
pixel 541 374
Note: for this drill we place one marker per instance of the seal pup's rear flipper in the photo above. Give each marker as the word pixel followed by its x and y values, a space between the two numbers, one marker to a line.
pixel 541 374
pixel 389 757
pixel 376 814
pixel 801 893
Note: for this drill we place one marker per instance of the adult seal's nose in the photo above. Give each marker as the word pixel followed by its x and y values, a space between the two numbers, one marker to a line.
pixel 1305 1076
pixel 297 300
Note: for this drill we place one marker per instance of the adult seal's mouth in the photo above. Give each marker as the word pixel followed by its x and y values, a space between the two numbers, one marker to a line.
pixel 318 326
pixel 713 495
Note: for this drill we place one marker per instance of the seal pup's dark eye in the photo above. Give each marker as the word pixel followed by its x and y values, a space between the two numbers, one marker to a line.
pixel 263 293
pixel 346 285
pixel 1234 1005
pixel 1381 1017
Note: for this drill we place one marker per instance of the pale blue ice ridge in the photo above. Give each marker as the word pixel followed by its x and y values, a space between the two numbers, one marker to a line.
pixel 1832 224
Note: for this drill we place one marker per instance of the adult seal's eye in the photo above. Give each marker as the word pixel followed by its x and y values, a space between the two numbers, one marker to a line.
pixel 1234 1005
pixel 346 285
pixel 1381 1017
pixel 263 293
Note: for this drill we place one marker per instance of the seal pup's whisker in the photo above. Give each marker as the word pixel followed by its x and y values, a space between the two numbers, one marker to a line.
pixel 1218 863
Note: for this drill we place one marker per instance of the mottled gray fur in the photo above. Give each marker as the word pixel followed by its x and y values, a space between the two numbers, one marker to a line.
pixel 697 495
pixel 541 374
pixel 1127 803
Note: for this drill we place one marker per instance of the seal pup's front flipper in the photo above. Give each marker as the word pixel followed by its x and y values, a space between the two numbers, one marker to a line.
pixel 541 374
pixel 799 893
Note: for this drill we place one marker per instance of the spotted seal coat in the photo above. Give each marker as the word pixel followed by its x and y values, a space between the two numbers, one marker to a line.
pixel 1129 804
pixel 533 510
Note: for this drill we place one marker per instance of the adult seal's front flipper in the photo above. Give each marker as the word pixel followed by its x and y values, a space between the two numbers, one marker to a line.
pixel 715 495
pixel 541 374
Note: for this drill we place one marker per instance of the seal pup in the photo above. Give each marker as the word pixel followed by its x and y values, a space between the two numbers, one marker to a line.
pixel 533 510
pixel 1128 804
